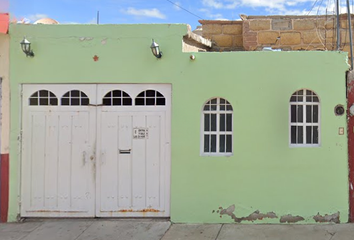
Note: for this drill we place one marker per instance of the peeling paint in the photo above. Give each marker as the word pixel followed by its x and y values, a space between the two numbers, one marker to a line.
pixel 85 39
pixel 327 218
pixel 256 215
pixel 291 219
pixel 104 41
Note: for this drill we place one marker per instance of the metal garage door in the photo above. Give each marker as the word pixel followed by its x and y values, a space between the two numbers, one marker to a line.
pixel 96 150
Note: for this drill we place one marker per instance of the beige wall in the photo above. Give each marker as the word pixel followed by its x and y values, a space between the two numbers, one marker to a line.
pixel 4 74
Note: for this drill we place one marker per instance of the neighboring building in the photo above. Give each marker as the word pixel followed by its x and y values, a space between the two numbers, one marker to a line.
pixel 4 115
pixel 102 128
pixel 288 33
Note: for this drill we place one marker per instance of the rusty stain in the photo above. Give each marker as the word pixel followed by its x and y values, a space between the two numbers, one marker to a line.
pixel 142 210
pixel 291 219
pixel 54 211
pixel 327 218
pixel 256 215
pixel 95 58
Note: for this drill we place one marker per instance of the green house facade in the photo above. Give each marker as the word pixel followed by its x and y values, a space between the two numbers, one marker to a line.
pixel 100 127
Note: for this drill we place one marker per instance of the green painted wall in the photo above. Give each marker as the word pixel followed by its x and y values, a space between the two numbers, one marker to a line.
pixel 264 173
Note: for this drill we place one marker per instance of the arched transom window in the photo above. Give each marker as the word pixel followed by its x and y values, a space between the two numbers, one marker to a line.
pixel 150 98
pixel 117 98
pixel 304 118
pixel 75 98
pixel 43 98
pixel 217 127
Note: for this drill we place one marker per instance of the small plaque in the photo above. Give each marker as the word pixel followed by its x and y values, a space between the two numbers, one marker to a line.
pixel 140 133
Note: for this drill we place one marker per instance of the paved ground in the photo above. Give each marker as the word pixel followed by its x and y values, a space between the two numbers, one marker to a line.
pixel 158 229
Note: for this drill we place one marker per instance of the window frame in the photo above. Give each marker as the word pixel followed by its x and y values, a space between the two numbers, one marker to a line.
pixel 217 132
pixel 304 124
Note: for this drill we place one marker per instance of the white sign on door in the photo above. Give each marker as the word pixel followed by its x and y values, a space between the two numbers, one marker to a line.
pixel 141 133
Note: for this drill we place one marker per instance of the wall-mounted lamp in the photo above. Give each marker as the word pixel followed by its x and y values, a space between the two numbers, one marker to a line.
pixel 26 47
pixel 155 49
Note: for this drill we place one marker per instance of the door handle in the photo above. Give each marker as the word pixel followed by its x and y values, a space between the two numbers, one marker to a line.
pixel 127 151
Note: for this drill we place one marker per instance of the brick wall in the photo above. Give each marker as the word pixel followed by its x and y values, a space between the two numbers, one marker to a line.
pixel 279 32
pixel 226 35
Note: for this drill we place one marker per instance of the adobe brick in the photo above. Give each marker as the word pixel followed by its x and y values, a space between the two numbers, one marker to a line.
pixel 281 24
pixel 268 37
pixel 212 29
pixel 257 25
pixel 312 37
pixel 304 24
pixel 235 29
pixel 223 40
pixel 237 41
pixel 290 38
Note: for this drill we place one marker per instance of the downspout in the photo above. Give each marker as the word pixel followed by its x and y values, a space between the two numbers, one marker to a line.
pixel 350 36
pixel 338 32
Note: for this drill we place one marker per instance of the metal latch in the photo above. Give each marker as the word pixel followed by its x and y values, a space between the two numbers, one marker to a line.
pixel 124 151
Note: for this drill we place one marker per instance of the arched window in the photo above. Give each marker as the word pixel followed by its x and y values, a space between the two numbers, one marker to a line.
pixel 150 98
pixel 43 98
pixel 304 118
pixel 75 98
pixel 217 127
pixel 117 98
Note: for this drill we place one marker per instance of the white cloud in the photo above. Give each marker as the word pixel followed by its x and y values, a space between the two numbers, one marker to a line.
pixel 218 4
pixel 153 13
pixel 176 6
pixel 35 17
pixel 213 16
pixel 277 7
pixel 269 5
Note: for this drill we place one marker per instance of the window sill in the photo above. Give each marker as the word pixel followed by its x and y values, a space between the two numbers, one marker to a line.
pixel 216 154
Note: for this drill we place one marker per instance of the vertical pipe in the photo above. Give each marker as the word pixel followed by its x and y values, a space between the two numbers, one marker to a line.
pixel 338 32
pixel 350 35
pixel 98 17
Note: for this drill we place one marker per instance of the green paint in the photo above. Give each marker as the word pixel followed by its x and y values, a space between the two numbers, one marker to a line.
pixel 264 173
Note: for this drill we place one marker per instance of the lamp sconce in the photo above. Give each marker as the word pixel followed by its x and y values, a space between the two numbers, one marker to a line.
pixel 155 49
pixel 26 47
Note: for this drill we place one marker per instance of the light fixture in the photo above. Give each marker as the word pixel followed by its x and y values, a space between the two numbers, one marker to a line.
pixel 156 49
pixel 26 47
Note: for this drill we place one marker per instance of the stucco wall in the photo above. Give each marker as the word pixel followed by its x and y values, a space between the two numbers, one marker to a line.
pixel 264 174
pixel 4 74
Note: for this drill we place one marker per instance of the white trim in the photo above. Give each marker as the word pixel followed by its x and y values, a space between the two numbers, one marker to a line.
pixel 217 112
pixel 305 124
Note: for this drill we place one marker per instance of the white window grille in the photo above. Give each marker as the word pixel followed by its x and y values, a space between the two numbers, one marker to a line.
pixel 117 98
pixel 75 98
pixel 43 98
pixel 217 128
pixel 304 119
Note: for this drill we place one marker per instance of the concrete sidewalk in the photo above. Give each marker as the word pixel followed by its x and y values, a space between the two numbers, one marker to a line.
pixel 137 229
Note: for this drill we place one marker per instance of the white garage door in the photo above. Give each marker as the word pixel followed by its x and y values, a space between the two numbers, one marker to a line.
pixel 96 150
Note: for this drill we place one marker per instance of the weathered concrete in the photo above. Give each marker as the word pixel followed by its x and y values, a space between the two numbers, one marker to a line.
pixel 192 232
pixel 53 230
pixel 136 229
pixel 17 231
pixel 125 229
pixel 288 232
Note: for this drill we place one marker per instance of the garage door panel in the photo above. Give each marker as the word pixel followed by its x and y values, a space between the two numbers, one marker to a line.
pixel 109 164
pixel 153 162
pixel 37 161
pixel 51 161
pixel 139 164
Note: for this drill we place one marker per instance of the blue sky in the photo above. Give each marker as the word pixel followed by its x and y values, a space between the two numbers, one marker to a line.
pixel 159 11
